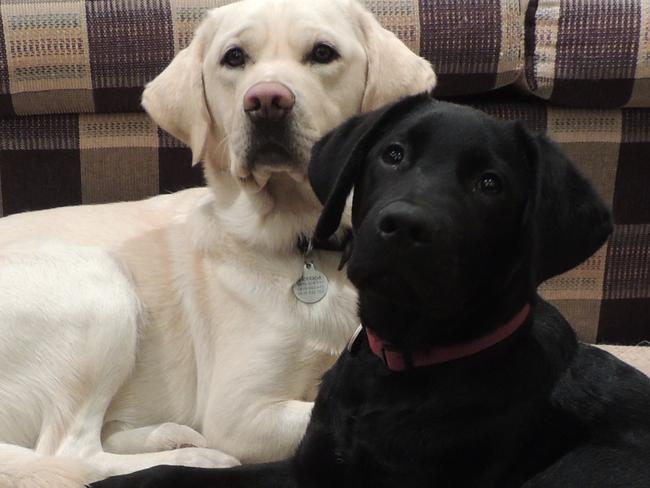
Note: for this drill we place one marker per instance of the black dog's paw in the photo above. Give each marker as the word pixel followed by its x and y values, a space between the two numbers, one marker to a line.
pixel 157 477
pixel 114 482
pixel 119 482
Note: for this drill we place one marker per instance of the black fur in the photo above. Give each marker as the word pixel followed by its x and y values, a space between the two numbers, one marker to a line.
pixel 439 261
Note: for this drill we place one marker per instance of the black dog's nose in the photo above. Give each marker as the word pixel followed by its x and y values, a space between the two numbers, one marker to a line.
pixel 401 221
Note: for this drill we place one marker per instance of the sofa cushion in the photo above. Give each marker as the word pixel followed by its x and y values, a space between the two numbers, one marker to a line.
pixel 589 53
pixel 52 160
pixel 96 56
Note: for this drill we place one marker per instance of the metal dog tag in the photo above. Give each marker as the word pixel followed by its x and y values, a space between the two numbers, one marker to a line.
pixel 312 286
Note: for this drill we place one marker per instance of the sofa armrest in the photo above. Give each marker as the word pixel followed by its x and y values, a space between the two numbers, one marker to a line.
pixel 589 54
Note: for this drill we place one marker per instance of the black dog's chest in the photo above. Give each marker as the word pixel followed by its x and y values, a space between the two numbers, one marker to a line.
pixel 370 440
pixel 371 427
pixel 375 428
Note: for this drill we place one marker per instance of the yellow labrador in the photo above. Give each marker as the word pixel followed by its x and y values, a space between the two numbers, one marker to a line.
pixel 130 330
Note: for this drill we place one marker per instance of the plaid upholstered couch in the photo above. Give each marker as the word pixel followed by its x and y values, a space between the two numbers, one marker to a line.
pixel 72 130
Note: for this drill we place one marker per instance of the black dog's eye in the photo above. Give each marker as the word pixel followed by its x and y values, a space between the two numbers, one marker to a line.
pixel 490 183
pixel 234 58
pixel 394 154
pixel 323 54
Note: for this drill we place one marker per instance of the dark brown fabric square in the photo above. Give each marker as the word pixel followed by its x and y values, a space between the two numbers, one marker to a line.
pixel 532 114
pixel 598 40
pixel 624 321
pixel 602 94
pixel 625 309
pixel 457 84
pixel 39 132
pixel 123 30
pixel 40 179
pixel 597 51
pixel 632 193
pixel 4 69
pixel 176 171
pixel 6 107
pixel 530 36
pixel 175 165
pixel 117 100
pixel 627 274
pixel 461 37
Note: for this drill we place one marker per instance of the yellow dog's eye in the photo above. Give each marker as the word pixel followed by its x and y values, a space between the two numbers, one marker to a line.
pixel 235 57
pixel 323 54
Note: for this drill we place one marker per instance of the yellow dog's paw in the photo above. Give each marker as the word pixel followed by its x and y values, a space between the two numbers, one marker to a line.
pixel 203 458
pixel 169 436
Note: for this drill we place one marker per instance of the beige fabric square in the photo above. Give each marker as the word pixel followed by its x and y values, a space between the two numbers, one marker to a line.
pixel 47 46
pixel 583 315
pixel 187 15
pixel 641 92
pixel 117 130
pixel 577 125
pixel 598 162
pixel 51 102
pixel 119 157
pixel 511 56
pixel 401 17
pixel 547 19
pixel 582 283
pixel 592 140
pixel 27 2
pixel 118 174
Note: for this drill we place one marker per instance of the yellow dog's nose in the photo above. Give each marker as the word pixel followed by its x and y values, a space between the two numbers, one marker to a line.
pixel 269 100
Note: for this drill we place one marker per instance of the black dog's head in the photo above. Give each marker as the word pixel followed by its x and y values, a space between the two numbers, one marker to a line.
pixel 457 217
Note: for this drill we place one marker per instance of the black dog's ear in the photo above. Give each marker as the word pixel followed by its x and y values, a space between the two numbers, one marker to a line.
pixel 337 159
pixel 335 164
pixel 570 221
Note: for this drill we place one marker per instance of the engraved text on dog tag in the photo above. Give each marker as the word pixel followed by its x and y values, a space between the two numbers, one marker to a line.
pixel 312 286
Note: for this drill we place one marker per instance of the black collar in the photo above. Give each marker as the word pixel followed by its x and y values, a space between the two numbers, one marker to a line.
pixel 339 242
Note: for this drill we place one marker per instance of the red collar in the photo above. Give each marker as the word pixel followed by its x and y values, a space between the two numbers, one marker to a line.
pixel 397 361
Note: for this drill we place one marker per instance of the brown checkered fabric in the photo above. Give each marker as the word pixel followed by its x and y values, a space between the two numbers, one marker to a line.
pixel 55 160
pixel 91 59
pixel 607 299
pixel 95 56
pixel 48 161
pixel 587 53
pixel 474 45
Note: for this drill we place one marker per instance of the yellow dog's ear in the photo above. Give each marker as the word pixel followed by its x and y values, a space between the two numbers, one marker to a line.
pixel 394 71
pixel 175 99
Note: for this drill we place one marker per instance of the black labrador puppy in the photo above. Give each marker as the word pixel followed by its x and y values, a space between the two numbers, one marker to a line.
pixel 462 376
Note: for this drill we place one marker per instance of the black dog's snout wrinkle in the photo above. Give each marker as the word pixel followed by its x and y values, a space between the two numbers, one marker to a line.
pixel 404 222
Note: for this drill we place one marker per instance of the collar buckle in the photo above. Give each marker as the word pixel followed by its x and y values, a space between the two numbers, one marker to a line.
pixel 354 343
pixel 395 359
